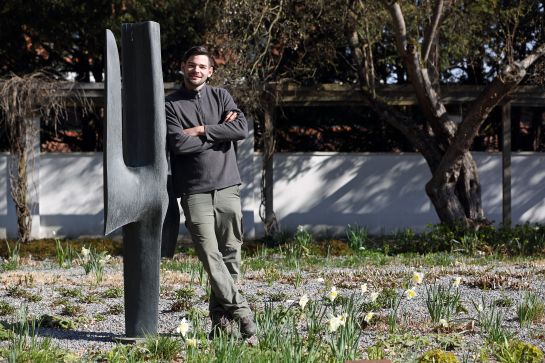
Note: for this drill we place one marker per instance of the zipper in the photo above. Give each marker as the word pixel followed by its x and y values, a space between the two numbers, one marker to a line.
pixel 200 115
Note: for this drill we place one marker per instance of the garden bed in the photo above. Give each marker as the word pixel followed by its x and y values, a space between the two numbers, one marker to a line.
pixel 309 307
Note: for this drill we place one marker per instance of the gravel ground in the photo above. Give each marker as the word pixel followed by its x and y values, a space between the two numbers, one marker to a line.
pixel 497 280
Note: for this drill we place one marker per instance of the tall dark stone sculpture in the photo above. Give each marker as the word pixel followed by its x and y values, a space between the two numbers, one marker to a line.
pixel 135 167
pixel 171 225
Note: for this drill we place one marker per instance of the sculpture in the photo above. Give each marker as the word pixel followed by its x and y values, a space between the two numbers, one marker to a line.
pixel 135 167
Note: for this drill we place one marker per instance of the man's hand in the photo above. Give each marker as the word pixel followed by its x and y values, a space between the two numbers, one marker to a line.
pixel 231 116
pixel 195 131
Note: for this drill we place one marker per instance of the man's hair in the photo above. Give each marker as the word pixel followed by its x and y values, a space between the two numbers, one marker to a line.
pixel 198 50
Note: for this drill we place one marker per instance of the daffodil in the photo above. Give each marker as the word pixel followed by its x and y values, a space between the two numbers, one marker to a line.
pixel 191 342
pixel 85 252
pixel 368 317
pixel 480 308
pixel 417 277
pixel 320 279
pixel 303 301
pixel 335 322
pixel 104 260
pixel 443 323
pixel 457 281
pixel 373 296
pixel 332 294
pixel 363 288
pixel 410 293
pixel 183 328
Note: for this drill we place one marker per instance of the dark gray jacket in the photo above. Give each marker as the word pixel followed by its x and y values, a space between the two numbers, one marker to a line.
pixel 201 164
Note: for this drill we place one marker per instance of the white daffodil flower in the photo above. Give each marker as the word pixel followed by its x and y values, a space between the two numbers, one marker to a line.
pixel 417 277
pixel 333 324
pixel 85 252
pixel 457 281
pixel 303 301
pixel 183 328
pixel 332 294
pixel 410 293
pixel 336 322
pixel 191 342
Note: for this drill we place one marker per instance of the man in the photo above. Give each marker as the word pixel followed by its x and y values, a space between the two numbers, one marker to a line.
pixel 203 122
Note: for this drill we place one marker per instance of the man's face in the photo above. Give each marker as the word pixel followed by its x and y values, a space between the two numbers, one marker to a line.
pixel 196 71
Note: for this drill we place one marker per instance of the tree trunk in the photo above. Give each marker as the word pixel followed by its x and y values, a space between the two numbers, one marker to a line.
pixel 19 149
pixel 458 202
pixel 267 180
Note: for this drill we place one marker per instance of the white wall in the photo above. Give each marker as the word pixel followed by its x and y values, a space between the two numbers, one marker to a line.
pixel 71 194
pixel 385 192
pixel 8 222
pixel 330 190
pixel 324 191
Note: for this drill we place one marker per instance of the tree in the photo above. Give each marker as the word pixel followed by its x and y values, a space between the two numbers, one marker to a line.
pixel 455 188
pixel 21 100
pixel 68 36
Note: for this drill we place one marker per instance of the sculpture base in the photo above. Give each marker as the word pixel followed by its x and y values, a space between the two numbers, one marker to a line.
pixel 129 340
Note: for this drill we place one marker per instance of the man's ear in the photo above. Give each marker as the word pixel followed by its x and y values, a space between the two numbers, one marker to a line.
pixel 210 71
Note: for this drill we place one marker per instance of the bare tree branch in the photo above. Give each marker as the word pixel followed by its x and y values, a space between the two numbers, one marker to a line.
pixel 399 27
pixel 433 109
pixel 533 57
pixel 266 48
pixel 432 30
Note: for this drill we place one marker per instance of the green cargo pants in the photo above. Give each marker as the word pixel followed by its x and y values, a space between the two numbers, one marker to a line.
pixel 214 220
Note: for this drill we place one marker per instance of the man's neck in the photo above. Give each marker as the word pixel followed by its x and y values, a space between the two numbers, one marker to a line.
pixel 190 87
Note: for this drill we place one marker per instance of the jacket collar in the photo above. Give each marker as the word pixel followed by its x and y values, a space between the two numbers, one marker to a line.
pixel 186 93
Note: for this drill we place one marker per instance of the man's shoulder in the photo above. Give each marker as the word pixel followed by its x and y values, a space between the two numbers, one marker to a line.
pixel 216 90
pixel 175 96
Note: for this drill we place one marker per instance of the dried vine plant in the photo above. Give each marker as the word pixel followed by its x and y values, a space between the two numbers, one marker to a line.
pixel 22 99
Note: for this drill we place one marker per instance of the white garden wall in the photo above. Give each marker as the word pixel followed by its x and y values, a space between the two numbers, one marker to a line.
pixel 324 191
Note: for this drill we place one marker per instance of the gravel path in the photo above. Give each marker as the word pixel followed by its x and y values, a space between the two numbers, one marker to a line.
pixel 99 327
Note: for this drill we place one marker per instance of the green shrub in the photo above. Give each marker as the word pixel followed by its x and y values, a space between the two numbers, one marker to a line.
pixel 112 293
pixel 518 351
pixel 57 322
pixel 438 356
pixel 6 309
